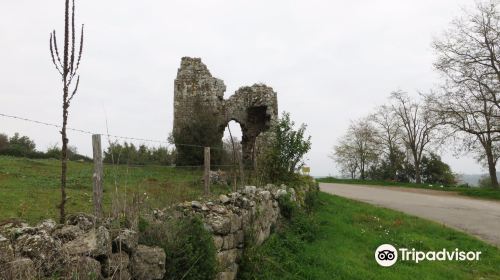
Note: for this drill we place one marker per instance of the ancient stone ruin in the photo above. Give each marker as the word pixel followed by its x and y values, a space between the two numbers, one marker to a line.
pixel 84 248
pixel 197 92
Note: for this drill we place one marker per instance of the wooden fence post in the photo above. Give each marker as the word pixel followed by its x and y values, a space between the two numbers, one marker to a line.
pixel 207 171
pixel 97 176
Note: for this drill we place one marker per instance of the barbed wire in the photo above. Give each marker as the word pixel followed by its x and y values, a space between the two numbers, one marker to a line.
pixel 105 134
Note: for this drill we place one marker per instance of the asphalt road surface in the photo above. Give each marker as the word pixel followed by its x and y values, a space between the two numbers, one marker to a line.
pixel 480 218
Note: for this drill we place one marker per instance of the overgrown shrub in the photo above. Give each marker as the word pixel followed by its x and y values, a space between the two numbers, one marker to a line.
pixel 299 227
pixel 285 153
pixel 287 206
pixel 188 245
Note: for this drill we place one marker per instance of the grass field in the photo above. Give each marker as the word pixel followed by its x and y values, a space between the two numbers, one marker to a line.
pixel 488 193
pixel 29 189
pixel 346 234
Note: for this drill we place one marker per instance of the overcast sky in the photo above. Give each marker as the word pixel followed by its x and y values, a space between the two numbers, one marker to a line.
pixel 329 61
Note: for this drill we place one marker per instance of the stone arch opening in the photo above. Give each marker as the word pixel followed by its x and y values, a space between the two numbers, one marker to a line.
pixel 232 129
pixel 253 107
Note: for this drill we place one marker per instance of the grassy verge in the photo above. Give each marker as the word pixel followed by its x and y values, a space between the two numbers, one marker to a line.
pixel 29 189
pixel 344 237
pixel 474 192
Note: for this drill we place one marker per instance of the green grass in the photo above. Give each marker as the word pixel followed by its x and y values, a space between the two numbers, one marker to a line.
pixel 346 236
pixel 487 193
pixel 29 189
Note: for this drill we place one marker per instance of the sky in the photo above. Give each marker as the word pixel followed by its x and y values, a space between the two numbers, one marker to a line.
pixel 329 61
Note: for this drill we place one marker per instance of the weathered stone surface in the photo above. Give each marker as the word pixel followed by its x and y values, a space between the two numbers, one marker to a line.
pixel 127 240
pixel 250 189
pixel 196 204
pixel 83 268
pixel 48 225
pixel 224 199
pixel 265 194
pixel 226 275
pixel 42 248
pixel 254 108
pixel 67 232
pixel 239 238
pixel 82 220
pixel 218 242
pixel 220 225
pixel 227 258
pixel 22 268
pixel 148 263
pixel 280 193
pixel 228 242
pixel 218 177
pixel 235 222
pixel 114 264
pixel 96 242
pixel 6 250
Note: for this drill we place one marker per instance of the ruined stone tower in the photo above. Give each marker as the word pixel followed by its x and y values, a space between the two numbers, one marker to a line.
pixel 199 97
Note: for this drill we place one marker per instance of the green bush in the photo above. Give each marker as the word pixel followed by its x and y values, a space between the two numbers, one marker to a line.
pixel 188 245
pixel 298 229
pixel 287 206
pixel 285 153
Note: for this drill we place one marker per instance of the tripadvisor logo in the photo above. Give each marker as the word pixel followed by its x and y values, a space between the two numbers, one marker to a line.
pixel 387 255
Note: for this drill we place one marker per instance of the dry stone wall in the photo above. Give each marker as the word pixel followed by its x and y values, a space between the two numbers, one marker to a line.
pixel 82 249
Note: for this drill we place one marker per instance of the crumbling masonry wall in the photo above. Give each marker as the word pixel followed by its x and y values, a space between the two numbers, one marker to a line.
pixel 196 91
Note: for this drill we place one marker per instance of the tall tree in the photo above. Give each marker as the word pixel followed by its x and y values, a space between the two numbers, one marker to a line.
pixel 344 154
pixel 468 102
pixel 417 125
pixel 358 149
pixel 389 136
pixel 67 67
pixel 469 51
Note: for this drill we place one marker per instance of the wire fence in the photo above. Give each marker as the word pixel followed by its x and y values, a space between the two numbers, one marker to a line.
pixel 126 183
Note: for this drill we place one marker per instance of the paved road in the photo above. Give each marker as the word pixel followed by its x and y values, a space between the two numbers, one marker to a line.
pixel 477 217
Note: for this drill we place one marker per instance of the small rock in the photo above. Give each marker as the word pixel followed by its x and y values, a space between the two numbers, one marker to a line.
pixel 196 204
pixel 48 225
pixel 228 242
pixel 6 250
pixel 127 241
pixel 96 242
pixel 250 189
pixel 83 268
pixel 224 199
pixel 23 268
pixel 265 194
pixel 218 242
pixel 44 250
pixel 83 220
pixel 67 233
pixel 280 193
pixel 148 263
pixel 219 209
pixel 219 224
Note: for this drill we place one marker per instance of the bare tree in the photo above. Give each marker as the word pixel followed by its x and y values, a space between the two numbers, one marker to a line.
pixel 468 53
pixel 389 136
pixel 67 68
pixel 345 156
pixel 468 104
pixel 417 126
pixel 469 119
pixel 357 150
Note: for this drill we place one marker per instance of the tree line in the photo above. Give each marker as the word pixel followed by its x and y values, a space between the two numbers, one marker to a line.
pixel 462 112
pixel 23 146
